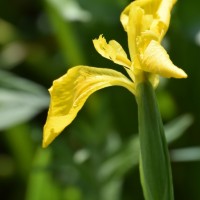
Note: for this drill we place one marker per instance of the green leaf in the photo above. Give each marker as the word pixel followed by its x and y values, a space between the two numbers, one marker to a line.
pixel 176 128
pixel 155 167
pixel 121 161
pixel 70 10
pixel 111 190
pixel 185 154
pixel 113 168
pixel 66 36
pixel 20 99
pixel 41 185
pixel 20 144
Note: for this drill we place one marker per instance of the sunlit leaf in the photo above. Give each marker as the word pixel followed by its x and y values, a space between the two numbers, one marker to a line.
pixel 188 154
pixel 70 10
pixel 20 99
pixel 41 185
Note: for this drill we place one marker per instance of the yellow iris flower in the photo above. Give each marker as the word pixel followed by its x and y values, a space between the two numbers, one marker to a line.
pixel 146 22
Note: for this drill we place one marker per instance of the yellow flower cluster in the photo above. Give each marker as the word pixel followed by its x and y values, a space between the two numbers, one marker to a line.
pixel 146 22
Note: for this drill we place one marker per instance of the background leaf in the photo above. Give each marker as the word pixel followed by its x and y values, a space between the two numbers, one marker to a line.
pixel 20 100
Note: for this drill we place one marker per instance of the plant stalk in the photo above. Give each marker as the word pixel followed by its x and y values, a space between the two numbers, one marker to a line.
pixel 155 169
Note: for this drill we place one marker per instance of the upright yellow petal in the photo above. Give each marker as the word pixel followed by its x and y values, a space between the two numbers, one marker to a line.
pixel 161 22
pixel 146 18
pixel 148 6
pixel 112 50
pixel 164 11
pixel 156 60
pixel 69 93
pixel 134 30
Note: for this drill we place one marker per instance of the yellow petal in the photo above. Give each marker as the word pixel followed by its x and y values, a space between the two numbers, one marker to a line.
pixel 156 60
pixel 155 19
pixel 136 21
pixel 69 93
pixel 161 22
pixel 133 30
pixel 112 50
pixel 148 6
pixel 124 17
pixel 164 11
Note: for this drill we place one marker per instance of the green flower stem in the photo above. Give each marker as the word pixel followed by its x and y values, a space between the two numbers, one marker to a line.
pixel 155 170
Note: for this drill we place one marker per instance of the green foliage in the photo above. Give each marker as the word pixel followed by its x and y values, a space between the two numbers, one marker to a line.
pixel 20 99
pixel 155 169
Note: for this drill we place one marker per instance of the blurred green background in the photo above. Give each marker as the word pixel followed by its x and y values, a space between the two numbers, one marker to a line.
pixel 96 157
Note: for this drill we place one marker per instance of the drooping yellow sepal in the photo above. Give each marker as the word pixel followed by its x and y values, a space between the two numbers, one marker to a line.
pixel 69 93
pixel 156 60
